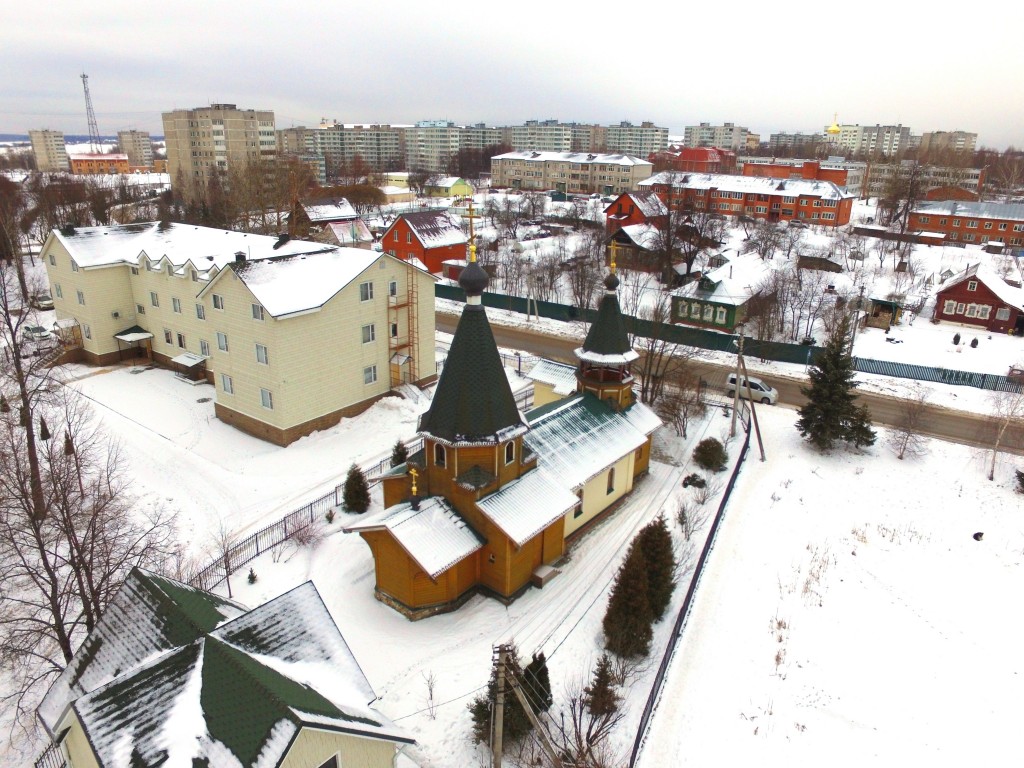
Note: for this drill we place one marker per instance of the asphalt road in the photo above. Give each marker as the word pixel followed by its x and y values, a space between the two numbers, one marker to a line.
pixel 945 423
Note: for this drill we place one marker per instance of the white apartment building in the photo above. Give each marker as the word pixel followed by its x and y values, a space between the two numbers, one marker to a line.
pixel 569 172
pixel 726 136
pixel 138 146
pixel 208 140
pixel 431 144
pixel 637 140
pixel 872 140
pixel 955 141
pixel 541 136
pixel 50 152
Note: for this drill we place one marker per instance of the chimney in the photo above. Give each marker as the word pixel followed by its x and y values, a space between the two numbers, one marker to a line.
pixel 240 257
pixel 282 238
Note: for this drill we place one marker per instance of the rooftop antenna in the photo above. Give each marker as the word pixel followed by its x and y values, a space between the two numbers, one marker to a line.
pixel 94 131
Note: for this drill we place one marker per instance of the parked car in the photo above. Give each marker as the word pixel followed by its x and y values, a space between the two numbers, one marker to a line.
pixel 41 301
pixel 35 333
pixel 758 390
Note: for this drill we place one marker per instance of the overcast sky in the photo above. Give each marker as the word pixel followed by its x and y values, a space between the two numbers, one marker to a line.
pixel 768 67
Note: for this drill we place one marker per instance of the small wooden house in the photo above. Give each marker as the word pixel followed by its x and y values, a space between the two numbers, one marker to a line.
pixel 980 297
pixel 713 301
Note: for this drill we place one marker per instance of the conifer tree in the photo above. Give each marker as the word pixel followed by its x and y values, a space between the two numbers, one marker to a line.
pixel 831 413
pixel 538 683
pixel 356 496
pixel 627 622
pixel 399 454
pixel 655 541
pixel 600 696
pixel 515 722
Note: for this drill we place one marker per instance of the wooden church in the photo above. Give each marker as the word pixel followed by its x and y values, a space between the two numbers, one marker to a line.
pixel 492 496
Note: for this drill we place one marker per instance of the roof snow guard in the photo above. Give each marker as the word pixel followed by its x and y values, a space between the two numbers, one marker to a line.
pixel 473 402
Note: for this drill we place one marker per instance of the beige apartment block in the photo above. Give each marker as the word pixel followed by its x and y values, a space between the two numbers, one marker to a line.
pixel 569 172
pixel 207 140
pixel 49 150
pixel 293 335
pixel 138 146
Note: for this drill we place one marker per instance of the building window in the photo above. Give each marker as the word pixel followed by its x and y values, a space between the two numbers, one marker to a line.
pixel 154 299
pixel 81 298
pixel 139 309
pixel 972 285
pixel 956 222
pixel 924 219
pixel 227 384
pixel 510 452
pixel 370 374
pixel 396 236
pixel 74 266
pixel 365 291
pixel 984 310
pixel 176 305
pixel 611 480
pixel 988 225
pixel 167 335
pixel 972 223
pixel 218 301
pixel 204 347
pixel 261 354
pixel 408 237
pixel 200 312
pixel 949 307
pixel 266 399
pixel 135 270
pixel 439 456
pixel 1003 313
pixel 695 310
pixel 181 340
pixel 222 341
pixel 709 312
pixel 195 276
pixel 369 333
pixel 392 287
pixel 960 308
pixel 53 263
pixel 87 331
pixel 720 316
pixel 257 312
pixel 58 291
pixel 972 310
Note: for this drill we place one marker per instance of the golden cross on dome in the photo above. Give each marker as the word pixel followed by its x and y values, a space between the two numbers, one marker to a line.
pixel 472 235
pixel 412 474
pixel 614 249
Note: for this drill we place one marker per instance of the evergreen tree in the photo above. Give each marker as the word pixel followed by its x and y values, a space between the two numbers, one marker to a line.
pixel 831 412
pixel 515 722
pixel 627 622
pixel 600 696
pixel 357 493
pixel 655 541
pixel 399 454
pixel 537 683
pixel 710 454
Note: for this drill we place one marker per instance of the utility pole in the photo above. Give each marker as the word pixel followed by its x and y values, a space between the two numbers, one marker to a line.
pixel 542 735
pixel 499 710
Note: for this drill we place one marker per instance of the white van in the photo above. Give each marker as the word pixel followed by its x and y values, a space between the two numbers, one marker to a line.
pixel 759 390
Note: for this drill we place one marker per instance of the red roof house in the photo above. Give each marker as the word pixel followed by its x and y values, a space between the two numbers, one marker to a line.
pixel 978 296
pixel 430 236
pixel 635 208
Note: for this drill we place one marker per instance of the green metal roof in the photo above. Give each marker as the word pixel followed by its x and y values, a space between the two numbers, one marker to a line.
pixel 473 402
pixel 608 336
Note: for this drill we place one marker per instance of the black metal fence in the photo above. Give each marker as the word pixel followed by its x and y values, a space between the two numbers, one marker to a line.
pixel 52 757
pixel 684 611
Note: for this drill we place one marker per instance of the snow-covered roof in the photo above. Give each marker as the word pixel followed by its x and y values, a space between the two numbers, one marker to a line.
pixel 435 535
pixel 725 289
pixel 562 378
pixel 228 694
pixel 175 244
pixel 585 158
pixel 525 507
pixel 96 156
pixel 447 182
pixel 644 236
pixel 1007 211
pixel 330 210
pixel 647 202
pixel 581 436
pixel 825 190
pixel 434 229
pixel 289 284
pixel 1006 292
pixel 349 232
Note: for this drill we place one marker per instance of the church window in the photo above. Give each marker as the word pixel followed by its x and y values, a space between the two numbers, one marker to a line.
pixel 510 452
pixel 439 456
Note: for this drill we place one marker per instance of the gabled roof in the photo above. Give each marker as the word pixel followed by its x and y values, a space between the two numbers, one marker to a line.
pixel 647 202
pixel 325 211
pixel 825 190
pixel 435 535
pixel 991 279
pixel 581 436
pixel 644 236
pixel 228 694
pixel 525 507
pixel 473 402
pixel 434 229
pixel 348 233
pixel 562 378
pixel 447 182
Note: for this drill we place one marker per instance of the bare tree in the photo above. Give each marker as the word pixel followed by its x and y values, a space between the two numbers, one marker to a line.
pixel 906 439
pixel 765 239
pixel 1007 411
pixel 660 359
pixel 585 269
pixel 682 399
pixel 691 517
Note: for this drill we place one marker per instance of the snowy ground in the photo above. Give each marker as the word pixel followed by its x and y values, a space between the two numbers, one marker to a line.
pixel 858 627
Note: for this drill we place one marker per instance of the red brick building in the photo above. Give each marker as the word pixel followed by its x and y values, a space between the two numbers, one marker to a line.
pixel 430 236
pixel 694 159
pixel 810 170
pixel 812 202
pixel 978 296
pixel 90 164
pixel 969 222
pixel 635 208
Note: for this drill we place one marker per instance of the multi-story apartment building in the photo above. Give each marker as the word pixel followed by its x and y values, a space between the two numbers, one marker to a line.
pixel 379 146
pixel 879 177
pixel 541 136
pixel 871 140
pixel 848 175
pixel 553 136
pixel 430 145
pixel 953 141
pixel 138 147
pixel 778 142
pixel 205 141
pixel 294 335
pixel 728 135
pixel 49 150
pixel 570 172
pixel 479 136
pixel 813 202
pixel 637 140
pixel 968 222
